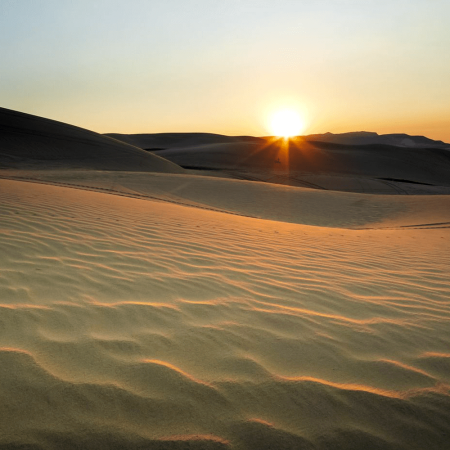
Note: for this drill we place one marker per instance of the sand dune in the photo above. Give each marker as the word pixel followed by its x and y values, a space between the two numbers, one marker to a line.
pixel 358 138
pixel 30 141
pixel 420 165
pixel 143 306
pixel 129 323
pixel 260 200
pixel 374 168
pixel 180 140
pixel 368 138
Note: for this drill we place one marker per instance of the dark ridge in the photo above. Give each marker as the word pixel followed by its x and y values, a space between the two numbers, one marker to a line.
pixel 27 140
pixel 154 149
pixel 406 181
pixel 200 168
pixel 366 138
pixel 420 139
pixel 171 140
pixel 333 145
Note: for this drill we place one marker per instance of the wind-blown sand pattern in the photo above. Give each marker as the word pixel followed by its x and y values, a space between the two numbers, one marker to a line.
pixel 143 306
pixel 132 323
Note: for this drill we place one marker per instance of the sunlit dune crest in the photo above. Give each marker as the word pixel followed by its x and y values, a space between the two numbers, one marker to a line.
pixel 261 421
pixel 15 350
pixel 131 303
pixel 175 369
pixel 194 438
pixel 24 306
pixel 439 388
pixel 406 366
pixel 281 309
pixel 435 355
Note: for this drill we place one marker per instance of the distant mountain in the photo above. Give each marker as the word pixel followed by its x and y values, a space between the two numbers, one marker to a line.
pixel 370 138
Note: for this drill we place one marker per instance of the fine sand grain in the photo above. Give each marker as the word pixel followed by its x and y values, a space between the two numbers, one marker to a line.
pixel 143 306
pixel 138 323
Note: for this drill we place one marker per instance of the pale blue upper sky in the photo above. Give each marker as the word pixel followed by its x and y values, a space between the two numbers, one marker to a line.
pixel 224 66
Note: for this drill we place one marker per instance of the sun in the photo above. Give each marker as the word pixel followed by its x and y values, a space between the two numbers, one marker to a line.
pixel 286 123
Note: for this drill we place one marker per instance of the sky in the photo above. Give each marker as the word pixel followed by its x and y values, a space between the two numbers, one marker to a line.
pixel 150 66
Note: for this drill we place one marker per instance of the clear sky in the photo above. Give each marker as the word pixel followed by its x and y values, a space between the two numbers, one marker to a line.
pixel 224 66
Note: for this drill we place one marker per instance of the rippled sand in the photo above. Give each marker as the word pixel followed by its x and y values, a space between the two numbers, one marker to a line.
pixel 132 324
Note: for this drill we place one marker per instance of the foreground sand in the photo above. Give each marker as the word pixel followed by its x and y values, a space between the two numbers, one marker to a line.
pixel 128 323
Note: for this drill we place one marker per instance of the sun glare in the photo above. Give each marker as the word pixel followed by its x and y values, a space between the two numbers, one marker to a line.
pixel 286 123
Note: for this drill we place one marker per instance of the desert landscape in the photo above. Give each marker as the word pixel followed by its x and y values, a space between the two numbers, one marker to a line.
pixel 202 291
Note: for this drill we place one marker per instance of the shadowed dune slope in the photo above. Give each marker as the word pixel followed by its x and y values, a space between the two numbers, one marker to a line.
pixel 132 324
pixel 367 138
pixel 180 140
pixel 377 161
pixel 27 140
pixel 418 164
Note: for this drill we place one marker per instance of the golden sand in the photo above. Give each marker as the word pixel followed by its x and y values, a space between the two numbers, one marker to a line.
pixel 135 323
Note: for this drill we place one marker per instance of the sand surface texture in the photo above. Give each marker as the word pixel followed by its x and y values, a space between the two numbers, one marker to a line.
pixel 144 310
pixel 128 323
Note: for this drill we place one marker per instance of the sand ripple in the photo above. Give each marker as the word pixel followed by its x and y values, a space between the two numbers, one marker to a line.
pixel 132 324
